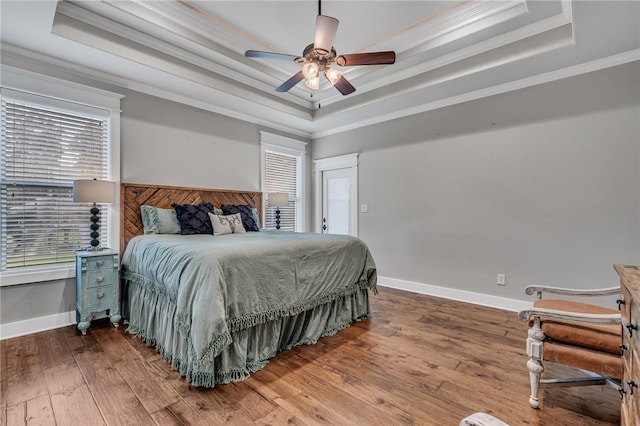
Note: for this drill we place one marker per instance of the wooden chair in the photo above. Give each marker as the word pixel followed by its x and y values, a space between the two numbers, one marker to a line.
pixel 580 335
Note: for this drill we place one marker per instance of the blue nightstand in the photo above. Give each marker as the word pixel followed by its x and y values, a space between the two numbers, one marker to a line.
pixel 97 286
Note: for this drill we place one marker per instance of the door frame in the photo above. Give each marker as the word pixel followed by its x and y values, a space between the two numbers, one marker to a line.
pixel 347 161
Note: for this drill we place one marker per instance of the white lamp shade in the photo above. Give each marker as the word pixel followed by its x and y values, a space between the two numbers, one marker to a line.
pixel 310 70
pixel 278 199
pixel 313 84
pixel 94 191
pixel 333 75
pixel 326 28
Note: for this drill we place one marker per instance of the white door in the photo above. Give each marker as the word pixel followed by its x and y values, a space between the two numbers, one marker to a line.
pixel 336 202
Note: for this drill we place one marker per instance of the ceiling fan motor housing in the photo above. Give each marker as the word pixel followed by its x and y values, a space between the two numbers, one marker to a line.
pixel 320 56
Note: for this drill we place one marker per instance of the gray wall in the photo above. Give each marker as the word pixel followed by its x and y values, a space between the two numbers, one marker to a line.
pixel 27 301
pixel 542 184
pixel 167 143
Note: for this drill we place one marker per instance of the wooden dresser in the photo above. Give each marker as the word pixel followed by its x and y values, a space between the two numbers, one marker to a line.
pixel 630 311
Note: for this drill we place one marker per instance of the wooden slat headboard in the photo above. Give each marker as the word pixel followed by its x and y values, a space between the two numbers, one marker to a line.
pixel 134 195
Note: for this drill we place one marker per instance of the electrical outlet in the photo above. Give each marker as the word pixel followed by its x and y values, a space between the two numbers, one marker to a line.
pixel 502 279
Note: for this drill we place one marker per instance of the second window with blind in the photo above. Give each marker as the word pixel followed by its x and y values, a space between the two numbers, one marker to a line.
pixel 283 172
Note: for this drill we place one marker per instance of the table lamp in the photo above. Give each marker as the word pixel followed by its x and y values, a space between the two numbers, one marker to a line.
pixel 94 191
pixel 277 200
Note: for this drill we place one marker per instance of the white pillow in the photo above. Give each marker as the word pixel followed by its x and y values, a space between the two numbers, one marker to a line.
pixel 229 224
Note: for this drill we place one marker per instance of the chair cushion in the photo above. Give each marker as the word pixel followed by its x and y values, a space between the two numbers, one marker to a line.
pixel 599 337
pixel 602 363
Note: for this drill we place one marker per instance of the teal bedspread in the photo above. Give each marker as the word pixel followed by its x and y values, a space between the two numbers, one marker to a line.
pixel 213 290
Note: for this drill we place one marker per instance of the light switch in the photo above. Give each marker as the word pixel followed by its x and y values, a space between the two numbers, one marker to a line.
pixel 364 208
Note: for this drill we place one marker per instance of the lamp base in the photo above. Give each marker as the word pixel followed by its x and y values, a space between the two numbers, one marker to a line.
pixel 95 235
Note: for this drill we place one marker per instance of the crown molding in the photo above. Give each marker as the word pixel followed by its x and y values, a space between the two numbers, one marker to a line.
pixel 191 47
pixel 547 77
pixel 373 80
pixel 98 78
pixel 25 59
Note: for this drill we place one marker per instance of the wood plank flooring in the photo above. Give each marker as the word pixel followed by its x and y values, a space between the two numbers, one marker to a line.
pixel 420 360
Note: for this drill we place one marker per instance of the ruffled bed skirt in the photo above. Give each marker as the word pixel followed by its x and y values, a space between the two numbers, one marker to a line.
pixel 151 317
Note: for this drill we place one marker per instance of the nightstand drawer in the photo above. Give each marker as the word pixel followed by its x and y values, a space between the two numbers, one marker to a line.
pixel 101 263
pixel 99 278
pixel 100 297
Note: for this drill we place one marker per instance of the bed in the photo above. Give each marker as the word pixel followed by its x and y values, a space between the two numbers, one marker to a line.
pixel 220 307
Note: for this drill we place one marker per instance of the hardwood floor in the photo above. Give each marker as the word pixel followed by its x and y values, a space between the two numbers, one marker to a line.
pixel 420 360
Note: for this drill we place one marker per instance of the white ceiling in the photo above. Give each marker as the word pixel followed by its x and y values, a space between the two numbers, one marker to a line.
pixel 447 51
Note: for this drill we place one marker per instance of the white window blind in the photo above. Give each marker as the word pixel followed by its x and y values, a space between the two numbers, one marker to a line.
pixel 283 174
pixel 43 151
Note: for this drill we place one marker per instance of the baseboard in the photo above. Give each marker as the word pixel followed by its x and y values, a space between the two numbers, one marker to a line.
pixel 63 319
pixel 454 294
pixel 35 325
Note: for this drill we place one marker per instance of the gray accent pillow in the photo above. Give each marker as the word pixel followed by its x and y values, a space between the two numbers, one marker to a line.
pixel 256 216
pixel 159 221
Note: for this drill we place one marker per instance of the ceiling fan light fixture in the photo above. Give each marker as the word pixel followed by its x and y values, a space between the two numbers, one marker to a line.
pixel 333 75
pixel 319 57
pixel 311 70
pixel 313 83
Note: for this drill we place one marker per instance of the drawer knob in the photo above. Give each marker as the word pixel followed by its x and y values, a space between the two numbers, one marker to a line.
pixel 620 302
pixel 100 295
pixel 630 328
pixel 632 385
pixel 100 263
pixel 100 279
pixel 622 349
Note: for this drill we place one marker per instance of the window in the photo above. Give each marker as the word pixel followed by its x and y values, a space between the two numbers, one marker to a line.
pixel 46 144
pixel 283 171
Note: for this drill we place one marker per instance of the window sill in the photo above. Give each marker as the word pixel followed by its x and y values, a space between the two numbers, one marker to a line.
pixel 37 275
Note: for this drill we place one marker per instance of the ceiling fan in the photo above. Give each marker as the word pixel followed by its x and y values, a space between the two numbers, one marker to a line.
pixel 320 57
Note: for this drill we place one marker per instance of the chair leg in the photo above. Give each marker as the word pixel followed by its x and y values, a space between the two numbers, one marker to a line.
pixel 535 352
pixel 535 371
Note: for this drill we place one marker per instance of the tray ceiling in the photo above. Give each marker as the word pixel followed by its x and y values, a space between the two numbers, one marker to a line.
pixel 447 51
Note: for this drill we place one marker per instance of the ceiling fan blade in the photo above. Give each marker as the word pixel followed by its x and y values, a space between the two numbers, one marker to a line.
pixel 326 29
pixel 344 86
pixel 371 58
pixel 295 79
pixel 268 55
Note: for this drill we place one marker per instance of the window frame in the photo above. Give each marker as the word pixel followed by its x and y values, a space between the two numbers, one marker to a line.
pixel 290 147
pixel 27 86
